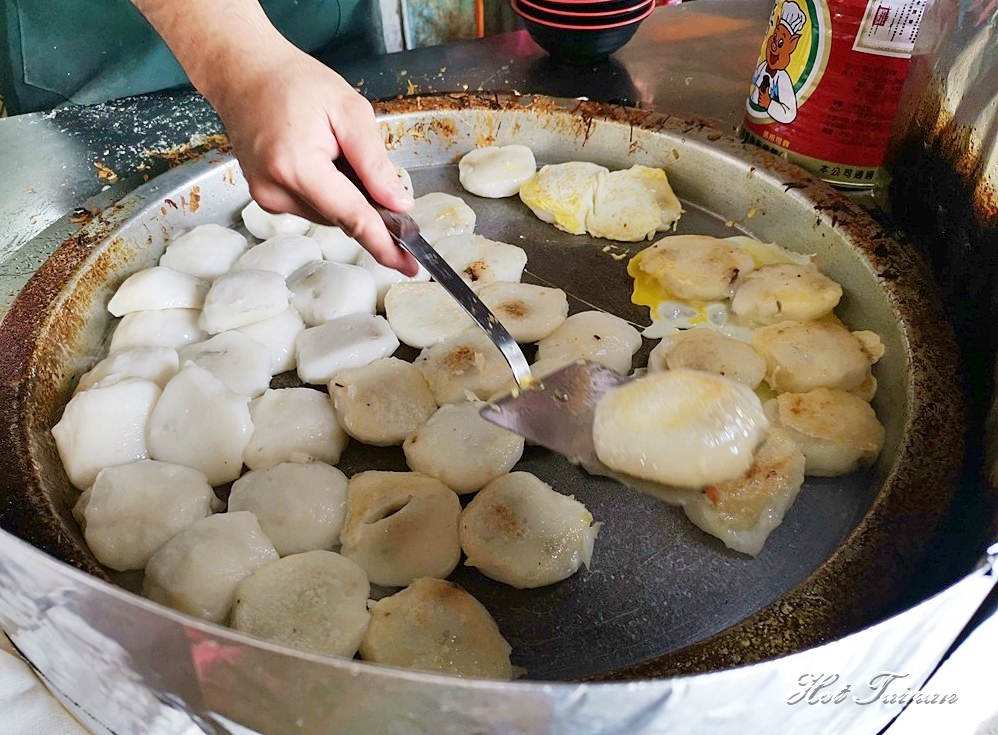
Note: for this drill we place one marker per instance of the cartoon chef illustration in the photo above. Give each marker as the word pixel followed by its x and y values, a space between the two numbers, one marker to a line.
pixel 772 87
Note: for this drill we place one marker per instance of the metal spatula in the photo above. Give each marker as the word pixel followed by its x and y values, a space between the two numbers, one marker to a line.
pixel 556 412
pixel 405 231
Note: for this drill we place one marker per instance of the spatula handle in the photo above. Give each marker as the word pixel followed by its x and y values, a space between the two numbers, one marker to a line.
pixel 405 231
pixel 441 271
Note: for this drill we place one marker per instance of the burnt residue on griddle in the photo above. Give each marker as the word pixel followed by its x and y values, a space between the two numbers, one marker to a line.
pixel 939 201
pixel 80 215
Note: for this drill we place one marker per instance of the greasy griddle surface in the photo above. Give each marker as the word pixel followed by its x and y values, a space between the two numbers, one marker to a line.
pixel 656 583
pixel 662 598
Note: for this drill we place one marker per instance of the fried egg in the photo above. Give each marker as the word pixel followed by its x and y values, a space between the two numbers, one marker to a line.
pixel 563 194
pixel 633 204
pixel 581 197
pixel 670 311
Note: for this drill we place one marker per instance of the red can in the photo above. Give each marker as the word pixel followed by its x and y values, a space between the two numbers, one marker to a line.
pixel 826 87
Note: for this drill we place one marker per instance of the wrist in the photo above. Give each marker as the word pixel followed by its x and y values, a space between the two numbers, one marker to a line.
pixel 217 42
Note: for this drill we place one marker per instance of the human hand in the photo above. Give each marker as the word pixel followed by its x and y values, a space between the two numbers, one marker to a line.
pixel 289 118
pixel 288 123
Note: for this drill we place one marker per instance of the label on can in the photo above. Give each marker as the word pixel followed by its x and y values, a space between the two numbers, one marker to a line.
pixel 826 87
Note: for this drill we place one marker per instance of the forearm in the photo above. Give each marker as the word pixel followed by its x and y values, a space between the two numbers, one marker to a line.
pixel 311 117
pixel 207 37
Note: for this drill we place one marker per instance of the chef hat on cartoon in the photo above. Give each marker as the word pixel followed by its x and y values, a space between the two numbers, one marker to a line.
pixel 792 17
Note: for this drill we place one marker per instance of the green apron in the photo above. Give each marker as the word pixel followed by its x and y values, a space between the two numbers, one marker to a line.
pixel 89 51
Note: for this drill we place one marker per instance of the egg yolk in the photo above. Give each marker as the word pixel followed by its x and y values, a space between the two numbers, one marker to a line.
pixel 649 291
pixel 683 313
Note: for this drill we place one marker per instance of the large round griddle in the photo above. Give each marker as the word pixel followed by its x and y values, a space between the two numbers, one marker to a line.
pixel 661 597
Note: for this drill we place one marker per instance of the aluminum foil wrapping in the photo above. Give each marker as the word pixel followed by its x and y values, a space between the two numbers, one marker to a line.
pixel 122 664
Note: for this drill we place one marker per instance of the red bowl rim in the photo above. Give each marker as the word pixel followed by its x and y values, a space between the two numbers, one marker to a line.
pixel 579 2
pixel 566 27
pixel 582 14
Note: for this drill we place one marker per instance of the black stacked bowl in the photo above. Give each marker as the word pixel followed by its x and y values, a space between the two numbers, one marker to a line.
pixel 582 31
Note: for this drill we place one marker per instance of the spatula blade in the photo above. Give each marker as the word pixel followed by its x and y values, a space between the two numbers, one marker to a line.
pixel 558 413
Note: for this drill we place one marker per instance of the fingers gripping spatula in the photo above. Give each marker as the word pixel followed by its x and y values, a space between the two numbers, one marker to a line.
pixel 555 412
